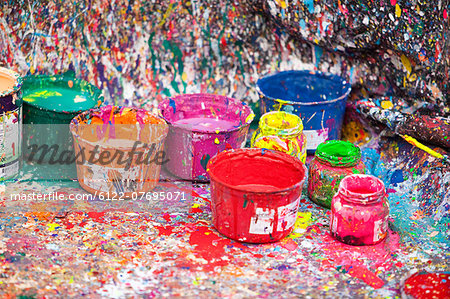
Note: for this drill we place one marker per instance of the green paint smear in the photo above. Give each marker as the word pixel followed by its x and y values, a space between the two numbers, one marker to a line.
pixel 338 153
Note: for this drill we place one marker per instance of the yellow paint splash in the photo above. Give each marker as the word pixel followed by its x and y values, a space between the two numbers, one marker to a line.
pixel 52 226
pixel 301 224
pixel 406 63
pixel 216 141
pixel 41 94
pixel 386 104
pixel 398 11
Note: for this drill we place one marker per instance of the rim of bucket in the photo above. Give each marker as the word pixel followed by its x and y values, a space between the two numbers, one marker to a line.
pixel 298 129
pixel 17 84
pixel 289 157
pixel 360 198
pixel 348 88
pixel 165 102
pixel 74 122
pixel 93 91
pixel 353 153
pixel 59 115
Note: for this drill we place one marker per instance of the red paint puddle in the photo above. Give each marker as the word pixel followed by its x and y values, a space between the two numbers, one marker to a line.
pixel 96 216
pixel 428 285
pixel 165 230
pixel 209 246
pixel 167 217
pixel 195 210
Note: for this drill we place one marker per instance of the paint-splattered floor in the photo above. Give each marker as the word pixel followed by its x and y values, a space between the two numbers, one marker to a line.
pixel 161 248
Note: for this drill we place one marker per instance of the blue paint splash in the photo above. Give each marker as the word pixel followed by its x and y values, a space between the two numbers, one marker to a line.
pixel 310 5
pixel 172 104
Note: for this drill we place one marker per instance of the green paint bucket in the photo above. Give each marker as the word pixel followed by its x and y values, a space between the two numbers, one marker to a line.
pixel 50 102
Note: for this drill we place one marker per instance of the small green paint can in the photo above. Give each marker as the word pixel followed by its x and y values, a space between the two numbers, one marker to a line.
pixel 333 161
pixel 50 103
pixel 10 123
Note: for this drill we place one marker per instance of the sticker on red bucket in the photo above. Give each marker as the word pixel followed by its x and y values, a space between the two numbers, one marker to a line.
pixel 262 222
pixel 287 215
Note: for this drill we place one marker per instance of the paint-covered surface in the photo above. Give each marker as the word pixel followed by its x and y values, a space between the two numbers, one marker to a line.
pixel 10 123
pixel 128 143
pixel 281 131
pixel 360 211
pixel 255 194
pixel 333 160
pixel 161 248
pixel 425 122
pixel 202 125
pixel 318 98
pixel 140 54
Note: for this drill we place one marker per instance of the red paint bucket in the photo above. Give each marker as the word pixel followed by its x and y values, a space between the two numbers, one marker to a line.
pixel 255 193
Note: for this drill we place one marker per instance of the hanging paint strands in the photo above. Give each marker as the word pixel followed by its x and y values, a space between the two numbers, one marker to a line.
pixel 334 160
pixel 283 132
pixel 360 210
pixel 10 123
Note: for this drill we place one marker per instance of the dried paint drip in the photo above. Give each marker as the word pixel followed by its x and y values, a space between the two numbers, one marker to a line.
pixel 283 132
pixel 360 210
pixel 333 160
pixel 10 123
pixel 202 125
pixel 255 194
pixel 318 98
pixel 128 143
pixel 427 285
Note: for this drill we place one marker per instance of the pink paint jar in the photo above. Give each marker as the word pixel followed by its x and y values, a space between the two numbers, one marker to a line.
pixel 360 210
pixel 255 193
pixel 202 125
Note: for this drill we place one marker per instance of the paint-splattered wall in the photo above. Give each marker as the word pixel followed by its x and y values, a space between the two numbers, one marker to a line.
pixel 140 52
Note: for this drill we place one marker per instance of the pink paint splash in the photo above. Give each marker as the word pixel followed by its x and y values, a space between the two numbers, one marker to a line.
pixel 357 261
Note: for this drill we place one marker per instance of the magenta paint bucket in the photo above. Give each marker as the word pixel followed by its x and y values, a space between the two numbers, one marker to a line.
pixel 202 125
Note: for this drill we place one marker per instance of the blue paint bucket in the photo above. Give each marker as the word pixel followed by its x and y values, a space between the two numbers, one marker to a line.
pixel 318 98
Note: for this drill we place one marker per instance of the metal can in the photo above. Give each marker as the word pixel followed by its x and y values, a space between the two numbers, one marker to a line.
pixel 333 160
pixel 281 131
pixel 360 211
pixel 10 123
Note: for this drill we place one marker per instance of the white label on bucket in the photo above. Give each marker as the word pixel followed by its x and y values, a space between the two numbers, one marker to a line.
pixel 9 171
pixel 315 137
pixel 262 223
pixel 10 142
pixel 287 215
pixel 113 179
